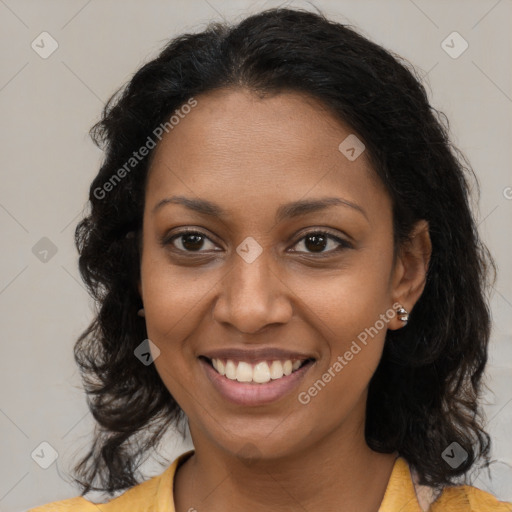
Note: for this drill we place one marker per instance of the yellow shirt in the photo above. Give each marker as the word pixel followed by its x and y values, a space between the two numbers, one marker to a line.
pixel 156 495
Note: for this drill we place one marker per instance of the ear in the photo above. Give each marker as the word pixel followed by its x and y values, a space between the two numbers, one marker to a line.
pixel 410 272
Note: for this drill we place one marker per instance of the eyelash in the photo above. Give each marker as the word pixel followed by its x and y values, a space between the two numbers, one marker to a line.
pixel 343 243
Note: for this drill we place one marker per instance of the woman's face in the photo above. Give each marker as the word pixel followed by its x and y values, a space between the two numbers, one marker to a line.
pixel 269 275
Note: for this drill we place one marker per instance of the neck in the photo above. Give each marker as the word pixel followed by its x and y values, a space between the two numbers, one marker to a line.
pixel 339 473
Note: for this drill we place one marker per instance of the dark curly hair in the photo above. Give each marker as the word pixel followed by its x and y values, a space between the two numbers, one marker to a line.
pixel 425 392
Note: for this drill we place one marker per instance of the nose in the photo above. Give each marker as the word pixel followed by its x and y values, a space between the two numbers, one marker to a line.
pixel 253 295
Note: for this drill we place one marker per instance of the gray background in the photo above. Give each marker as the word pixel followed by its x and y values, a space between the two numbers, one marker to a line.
pixel 47 107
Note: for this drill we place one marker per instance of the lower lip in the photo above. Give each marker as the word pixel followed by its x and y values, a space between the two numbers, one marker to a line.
pixel 248 393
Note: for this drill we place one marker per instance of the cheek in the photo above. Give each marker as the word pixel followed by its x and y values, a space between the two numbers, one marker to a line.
pixel 173 295
pixel 347 300
pixel 173 303
pixel 348 310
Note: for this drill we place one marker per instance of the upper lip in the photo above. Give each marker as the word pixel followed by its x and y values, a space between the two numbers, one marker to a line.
pixel 258 354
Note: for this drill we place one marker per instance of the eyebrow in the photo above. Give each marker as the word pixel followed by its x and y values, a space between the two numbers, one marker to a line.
pixel 285 211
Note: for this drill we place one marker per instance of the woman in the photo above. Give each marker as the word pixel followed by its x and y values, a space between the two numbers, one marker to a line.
pixel 283 254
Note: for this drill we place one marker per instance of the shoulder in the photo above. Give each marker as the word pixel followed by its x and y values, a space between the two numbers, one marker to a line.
pixel 466 498
pixel 458 498
pixel 138 497
pixel 78 504
pixel 154 494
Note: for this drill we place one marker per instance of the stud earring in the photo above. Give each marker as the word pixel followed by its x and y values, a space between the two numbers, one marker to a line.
pixel 402 315
pixel 141 312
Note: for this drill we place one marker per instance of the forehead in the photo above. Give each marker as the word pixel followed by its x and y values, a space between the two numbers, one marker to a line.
pixel 243 147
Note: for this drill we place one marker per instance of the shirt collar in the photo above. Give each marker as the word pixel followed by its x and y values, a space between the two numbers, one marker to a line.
pixel 400 493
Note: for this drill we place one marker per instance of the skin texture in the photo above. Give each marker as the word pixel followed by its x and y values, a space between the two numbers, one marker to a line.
pixel 250 154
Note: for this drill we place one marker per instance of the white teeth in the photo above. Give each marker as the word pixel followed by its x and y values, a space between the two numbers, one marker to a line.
pixel 244 372
pixel 259 373
pixel 219 366
pixel 276 370
pixel 230 370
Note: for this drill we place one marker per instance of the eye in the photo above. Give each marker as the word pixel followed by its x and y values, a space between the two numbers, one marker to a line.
pixel 189 241
pixel 314 242
pixel 317 241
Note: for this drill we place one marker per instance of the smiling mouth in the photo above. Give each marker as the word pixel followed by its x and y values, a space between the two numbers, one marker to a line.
pixel 257 373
